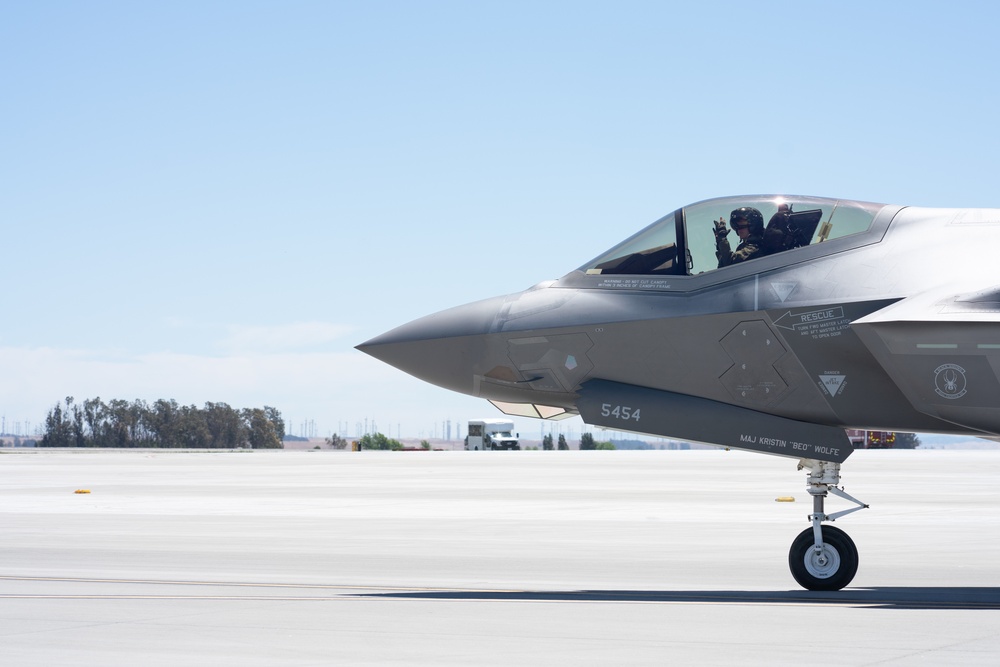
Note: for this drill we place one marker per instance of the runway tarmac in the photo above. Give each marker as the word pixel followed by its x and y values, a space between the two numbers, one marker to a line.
pixel 487 558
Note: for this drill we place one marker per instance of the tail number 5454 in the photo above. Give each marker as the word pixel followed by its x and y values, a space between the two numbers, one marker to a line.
pixel 622 412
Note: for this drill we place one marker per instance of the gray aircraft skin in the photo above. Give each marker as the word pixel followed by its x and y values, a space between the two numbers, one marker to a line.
pixel 854 315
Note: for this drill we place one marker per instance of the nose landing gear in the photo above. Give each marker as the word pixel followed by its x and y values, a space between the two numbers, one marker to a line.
pixel 824 558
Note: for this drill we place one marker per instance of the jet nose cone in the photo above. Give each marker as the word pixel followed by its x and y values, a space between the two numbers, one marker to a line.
pixel 442 348
pixel 472 319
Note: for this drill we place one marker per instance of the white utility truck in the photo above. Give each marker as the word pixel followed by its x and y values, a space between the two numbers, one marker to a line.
pixel 491 434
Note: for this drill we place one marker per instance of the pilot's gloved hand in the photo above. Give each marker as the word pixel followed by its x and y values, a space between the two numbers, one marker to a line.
pixel 721 230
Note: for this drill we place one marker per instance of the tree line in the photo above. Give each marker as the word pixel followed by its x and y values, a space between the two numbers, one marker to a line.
pixel 587 442
pixel 165 423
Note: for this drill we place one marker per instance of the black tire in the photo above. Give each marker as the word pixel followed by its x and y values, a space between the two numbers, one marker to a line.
pixel 831 570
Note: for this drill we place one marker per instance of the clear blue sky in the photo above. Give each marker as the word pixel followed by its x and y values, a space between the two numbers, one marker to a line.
pixel 215 201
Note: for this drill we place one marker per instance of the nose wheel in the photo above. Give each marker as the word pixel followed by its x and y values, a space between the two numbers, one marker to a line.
pixel 824 558
pixel 828 566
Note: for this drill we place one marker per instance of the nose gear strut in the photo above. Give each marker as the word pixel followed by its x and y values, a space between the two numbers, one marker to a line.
pixel 824 558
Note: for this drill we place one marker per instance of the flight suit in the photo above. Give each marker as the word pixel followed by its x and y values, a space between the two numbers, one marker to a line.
pixel 748 249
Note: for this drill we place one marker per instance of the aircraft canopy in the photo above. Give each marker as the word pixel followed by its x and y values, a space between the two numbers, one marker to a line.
pixel 685 242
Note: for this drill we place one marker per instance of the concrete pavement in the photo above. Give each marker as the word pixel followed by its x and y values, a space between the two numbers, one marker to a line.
pixel 496 558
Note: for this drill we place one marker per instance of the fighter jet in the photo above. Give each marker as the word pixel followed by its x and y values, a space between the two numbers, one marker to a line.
pixel 714 326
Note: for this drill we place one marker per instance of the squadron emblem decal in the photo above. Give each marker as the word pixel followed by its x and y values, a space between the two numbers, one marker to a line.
pixel 949 381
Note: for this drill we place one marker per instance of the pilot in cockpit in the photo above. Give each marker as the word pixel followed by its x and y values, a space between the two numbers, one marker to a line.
pixel 748 224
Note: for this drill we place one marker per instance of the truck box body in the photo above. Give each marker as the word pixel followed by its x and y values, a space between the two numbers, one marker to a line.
pixel 491 434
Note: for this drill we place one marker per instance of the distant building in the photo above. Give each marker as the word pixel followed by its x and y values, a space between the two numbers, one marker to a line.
pixel 871 439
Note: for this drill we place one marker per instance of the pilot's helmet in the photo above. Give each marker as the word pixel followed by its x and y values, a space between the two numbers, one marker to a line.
pixel 751 216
